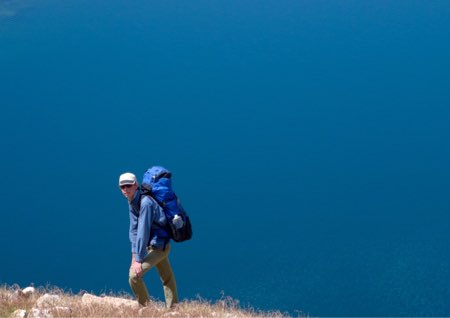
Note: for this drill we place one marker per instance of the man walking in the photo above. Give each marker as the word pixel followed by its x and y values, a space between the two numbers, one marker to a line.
pixel 149 239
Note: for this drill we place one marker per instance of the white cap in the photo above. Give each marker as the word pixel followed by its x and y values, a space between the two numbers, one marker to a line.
pixel 127 178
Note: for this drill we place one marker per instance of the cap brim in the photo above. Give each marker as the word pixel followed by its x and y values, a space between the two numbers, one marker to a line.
pixel 126 182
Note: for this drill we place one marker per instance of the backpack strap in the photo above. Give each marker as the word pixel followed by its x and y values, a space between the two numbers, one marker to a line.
pixel 163 227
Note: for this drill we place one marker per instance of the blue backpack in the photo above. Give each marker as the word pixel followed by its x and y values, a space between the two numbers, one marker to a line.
pixel 157 183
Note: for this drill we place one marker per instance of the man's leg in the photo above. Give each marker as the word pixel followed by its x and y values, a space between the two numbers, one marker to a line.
pixel 168 280
pixel 137 284
pixel 138 287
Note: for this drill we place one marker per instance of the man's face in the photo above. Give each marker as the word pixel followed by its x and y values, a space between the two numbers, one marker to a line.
pixel 129 190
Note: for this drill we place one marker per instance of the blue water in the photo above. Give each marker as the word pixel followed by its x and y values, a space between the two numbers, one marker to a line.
pixel 307 139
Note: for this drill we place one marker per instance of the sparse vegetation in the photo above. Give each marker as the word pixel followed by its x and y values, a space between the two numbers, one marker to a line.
pixel 12 299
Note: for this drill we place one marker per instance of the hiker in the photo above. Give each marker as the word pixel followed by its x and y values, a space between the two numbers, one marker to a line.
pixel 149 239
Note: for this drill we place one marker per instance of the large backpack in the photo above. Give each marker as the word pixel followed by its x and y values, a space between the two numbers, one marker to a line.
pixel 157 183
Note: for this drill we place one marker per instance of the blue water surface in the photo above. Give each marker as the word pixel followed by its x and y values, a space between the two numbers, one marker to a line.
pixel 307 139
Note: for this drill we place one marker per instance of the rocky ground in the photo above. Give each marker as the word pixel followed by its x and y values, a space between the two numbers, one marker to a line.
pixel 33 302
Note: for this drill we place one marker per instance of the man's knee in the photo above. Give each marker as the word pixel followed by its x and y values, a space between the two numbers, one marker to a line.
pixel 133 279
pixel 167 279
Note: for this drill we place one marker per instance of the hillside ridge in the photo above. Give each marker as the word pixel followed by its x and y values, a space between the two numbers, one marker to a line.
pixel 51 302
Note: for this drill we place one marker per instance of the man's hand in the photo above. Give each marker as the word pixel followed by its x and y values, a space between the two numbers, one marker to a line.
pixel 137 267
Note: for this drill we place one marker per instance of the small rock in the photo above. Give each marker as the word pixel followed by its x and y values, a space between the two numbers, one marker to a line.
pixel 173 314
pixel 48 300
pixel 19 313
pixel 89 299
pixel 49 312
pixel 29 291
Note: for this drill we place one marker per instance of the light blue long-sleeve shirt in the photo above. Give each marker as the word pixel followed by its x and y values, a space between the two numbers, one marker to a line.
pixel 147 222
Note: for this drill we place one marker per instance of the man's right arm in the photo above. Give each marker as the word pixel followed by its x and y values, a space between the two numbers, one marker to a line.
pixel 133 230
pixel 133 234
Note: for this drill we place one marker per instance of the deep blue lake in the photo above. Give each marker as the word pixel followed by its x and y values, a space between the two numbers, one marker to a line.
pixel 308 140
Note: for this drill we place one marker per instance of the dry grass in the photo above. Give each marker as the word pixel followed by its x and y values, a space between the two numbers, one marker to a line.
pixel 225 307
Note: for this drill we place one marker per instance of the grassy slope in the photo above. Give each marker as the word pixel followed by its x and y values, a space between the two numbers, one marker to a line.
pixel 225 307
